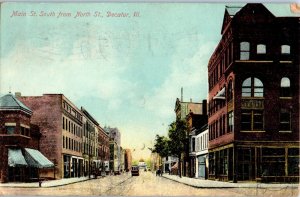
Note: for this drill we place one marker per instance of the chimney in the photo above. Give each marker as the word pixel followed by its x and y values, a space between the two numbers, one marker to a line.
pixel 181 94
pixel 204 107
pixel 191 100
pixel 18 94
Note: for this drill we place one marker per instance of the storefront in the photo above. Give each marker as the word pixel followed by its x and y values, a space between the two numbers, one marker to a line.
pixel 24 164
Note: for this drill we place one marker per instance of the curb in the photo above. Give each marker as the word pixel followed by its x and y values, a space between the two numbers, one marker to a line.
pixel 257 186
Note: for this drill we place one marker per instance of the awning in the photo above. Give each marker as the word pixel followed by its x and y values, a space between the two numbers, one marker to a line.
pixel 220 95
pixel 36 159
pixel 175 166
pixel 15 158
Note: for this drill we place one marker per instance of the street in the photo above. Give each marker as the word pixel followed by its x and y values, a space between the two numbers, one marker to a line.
pixel 147 184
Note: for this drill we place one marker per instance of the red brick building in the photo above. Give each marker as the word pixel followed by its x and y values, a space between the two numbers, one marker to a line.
pixel 60 123
pixel 19 143
pixel 71 137
pixel 254 97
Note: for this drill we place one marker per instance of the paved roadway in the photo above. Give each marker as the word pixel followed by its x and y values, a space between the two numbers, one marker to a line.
pixel 147 184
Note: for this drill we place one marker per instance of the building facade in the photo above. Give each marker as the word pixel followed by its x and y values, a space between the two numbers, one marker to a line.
pixel 20 144
pixel 254 97
pixel 183 110
pixel 196 123
pixel 199 153
pixel 70 136
pixel 128 160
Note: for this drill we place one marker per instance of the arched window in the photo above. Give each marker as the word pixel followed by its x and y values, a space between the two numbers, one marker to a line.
pixel 244 51
pixel 285 87
pixel 230 91
pixel 252 87
pixel 261 49
pixel 285 49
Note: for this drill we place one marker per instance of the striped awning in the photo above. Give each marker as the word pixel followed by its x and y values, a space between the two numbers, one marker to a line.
pixel 15 158
pixel 36 159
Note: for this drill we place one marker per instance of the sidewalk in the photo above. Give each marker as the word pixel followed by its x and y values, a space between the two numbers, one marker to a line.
pixel 200 183
pixel 50 183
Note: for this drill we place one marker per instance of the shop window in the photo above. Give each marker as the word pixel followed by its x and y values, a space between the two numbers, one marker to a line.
pixel 252 120
pixel 273 162
pixel 285 49
pixel 252 87
pixel 293 161
pixel 285 120
pixel 244 51
pixel 285 87
pixel 211 163
pixel 261 49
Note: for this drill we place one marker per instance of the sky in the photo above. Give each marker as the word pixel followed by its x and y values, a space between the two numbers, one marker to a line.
pixel 125 71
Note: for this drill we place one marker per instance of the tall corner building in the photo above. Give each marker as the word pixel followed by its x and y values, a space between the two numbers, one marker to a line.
pixel 253 107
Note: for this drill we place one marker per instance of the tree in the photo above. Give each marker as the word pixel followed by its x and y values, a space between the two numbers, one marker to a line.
pixel 161 146
pixel 177 143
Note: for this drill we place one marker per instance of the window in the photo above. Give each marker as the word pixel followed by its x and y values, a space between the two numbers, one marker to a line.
pixel 252 120
pixel 261 49
pixel 230 91
pixel 193 144
pixel 285 87
pixel 285 49
pixel 285 120
pixel 293 161
pixel 10 129
pixel 252 87
pixel 244 51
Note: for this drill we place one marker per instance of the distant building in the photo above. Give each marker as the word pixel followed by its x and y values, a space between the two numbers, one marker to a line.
pixel 199 153
pixel 254 97
pixel 115 148
pixel 195 113
pixel 21 159
pixel 128 160
pixel 103 151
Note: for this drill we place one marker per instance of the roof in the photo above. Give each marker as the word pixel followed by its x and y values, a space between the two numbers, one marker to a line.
pixel 232 10
pixel 10 102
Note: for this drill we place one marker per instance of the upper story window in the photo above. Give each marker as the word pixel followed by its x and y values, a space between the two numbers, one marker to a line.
pixel 244 51
pixel 230 91
pixel 285 49
pixel 252 87
pixel 285 87
pixel 285 120
pixel 261 49
pixel 10 129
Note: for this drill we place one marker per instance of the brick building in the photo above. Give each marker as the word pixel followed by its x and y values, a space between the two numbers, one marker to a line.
pixel 195 113
pixel 128 160
pixel 21 159
pixel 61 131
pixel 254 97
pixel 196 122
pixel 103 151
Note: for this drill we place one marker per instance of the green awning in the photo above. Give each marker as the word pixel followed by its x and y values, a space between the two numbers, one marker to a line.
pixel 36 159
pixel 15 158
